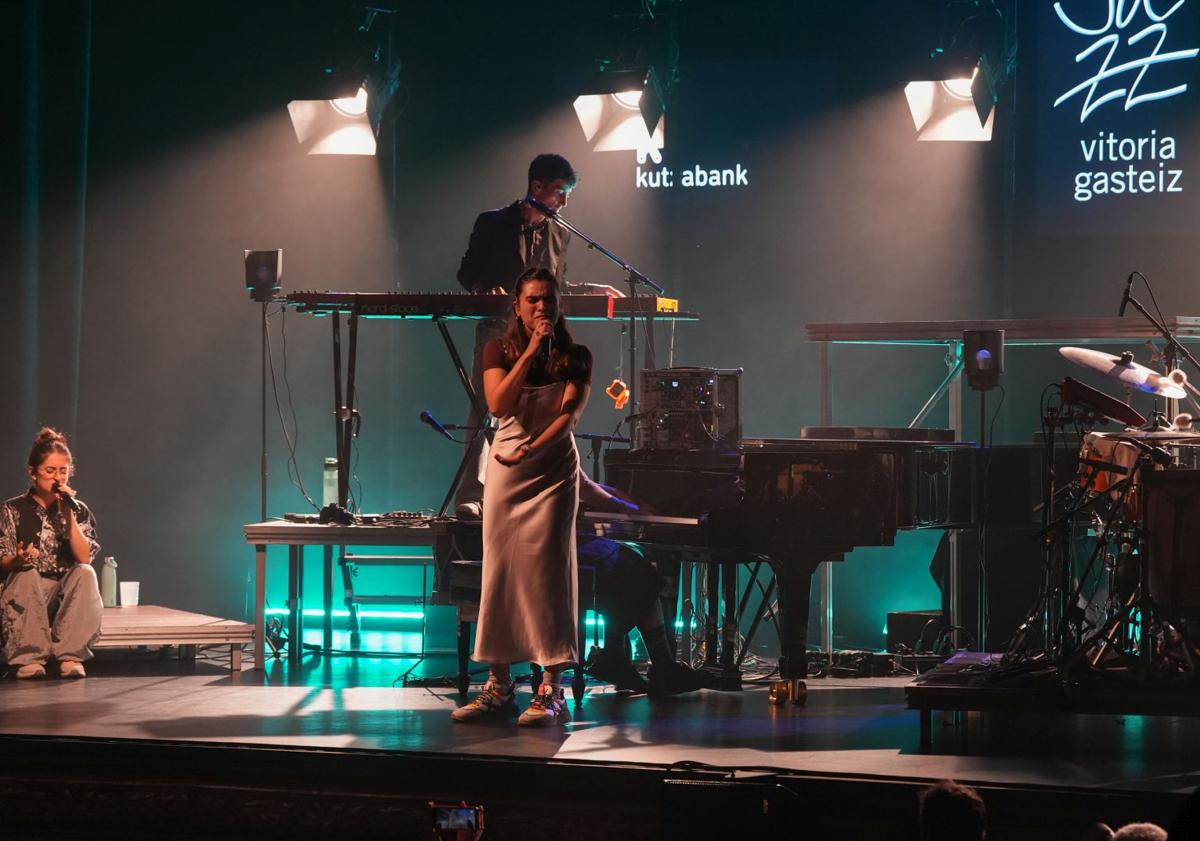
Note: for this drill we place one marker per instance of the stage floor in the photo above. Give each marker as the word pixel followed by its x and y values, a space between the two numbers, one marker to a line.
pixel 849 727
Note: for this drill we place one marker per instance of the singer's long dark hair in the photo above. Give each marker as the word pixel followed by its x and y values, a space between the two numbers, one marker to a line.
pixel 48 440
pixel 568 360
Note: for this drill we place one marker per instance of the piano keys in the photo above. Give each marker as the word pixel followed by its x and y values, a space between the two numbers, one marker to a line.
pixel 465 305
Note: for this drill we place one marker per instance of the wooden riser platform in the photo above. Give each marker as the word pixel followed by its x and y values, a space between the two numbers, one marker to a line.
pixel 151 625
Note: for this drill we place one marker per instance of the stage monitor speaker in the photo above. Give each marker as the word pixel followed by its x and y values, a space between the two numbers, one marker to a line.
pixel 913 630
pixel 983 358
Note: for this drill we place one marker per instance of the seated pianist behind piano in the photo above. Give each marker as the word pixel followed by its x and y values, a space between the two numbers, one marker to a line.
pixel 627 596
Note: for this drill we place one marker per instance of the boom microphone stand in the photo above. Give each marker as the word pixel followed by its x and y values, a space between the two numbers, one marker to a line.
pixel 633 277
pixel 1175 350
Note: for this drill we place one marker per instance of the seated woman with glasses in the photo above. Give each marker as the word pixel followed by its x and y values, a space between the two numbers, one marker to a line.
pixel 50 604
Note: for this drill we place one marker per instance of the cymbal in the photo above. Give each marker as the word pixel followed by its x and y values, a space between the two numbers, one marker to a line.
pixel 1166 435
pixel 1123 368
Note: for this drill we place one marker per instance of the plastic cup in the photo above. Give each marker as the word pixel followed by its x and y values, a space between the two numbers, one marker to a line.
pixel 129 593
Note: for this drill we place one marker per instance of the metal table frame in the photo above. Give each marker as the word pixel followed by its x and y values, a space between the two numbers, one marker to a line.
pixel 297 536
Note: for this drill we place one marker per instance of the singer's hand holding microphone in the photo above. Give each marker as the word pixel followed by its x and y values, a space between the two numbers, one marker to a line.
pixel 67 494
pixel 540 337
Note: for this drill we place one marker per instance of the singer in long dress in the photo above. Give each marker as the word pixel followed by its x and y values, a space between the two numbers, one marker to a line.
pixel 50 606
pixel 536 380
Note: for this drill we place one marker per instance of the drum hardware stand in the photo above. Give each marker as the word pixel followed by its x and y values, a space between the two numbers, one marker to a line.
pixel 1055 643
pixel 1055 624
pixel 1142 611
pixel 1070 614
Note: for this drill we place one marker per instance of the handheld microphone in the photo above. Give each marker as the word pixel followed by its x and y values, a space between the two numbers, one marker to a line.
pixel 540 207
pixel 66 498
pixel 429 420
pixel 1125 297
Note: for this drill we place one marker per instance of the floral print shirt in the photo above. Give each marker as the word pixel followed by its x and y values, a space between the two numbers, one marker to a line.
pixel 23 520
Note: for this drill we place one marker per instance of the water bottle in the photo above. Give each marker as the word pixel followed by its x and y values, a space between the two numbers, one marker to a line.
pixel 108 582
pixel 329 490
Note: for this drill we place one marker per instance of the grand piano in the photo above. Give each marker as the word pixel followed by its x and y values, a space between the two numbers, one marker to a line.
pixel 796 503
pixel 801 502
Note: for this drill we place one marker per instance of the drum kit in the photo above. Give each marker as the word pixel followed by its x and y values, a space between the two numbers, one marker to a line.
pixel 1133 509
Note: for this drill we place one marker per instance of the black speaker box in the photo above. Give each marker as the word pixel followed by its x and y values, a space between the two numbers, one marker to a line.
pixel 913 630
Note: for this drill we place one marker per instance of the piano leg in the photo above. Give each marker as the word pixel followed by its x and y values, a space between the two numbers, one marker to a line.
pixel 794 582
pixel 712 614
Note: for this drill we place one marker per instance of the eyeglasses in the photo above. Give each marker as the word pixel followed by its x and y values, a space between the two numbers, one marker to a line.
pixel 46 470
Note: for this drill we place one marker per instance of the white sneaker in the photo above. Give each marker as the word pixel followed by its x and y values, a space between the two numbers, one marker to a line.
pixel 495 701
pixel 547 707
pixel 71 668
pixel 31 670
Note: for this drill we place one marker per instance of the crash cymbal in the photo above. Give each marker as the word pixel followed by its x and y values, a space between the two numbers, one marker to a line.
pixel 1123 368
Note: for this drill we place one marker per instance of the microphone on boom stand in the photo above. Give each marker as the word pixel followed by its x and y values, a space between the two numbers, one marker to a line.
pixel 540 207
pixel 1125 297
pixel 433 423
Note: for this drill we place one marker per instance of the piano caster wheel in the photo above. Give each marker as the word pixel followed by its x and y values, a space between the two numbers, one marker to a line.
pixel 781 692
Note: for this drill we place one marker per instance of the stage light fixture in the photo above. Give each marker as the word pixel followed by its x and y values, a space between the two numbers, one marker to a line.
pixel 623 110
pixel 340 108
pixel 956 98
pixel 337 126
pixel 946 108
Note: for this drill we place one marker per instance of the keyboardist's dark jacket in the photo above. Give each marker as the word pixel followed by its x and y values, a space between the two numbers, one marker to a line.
pixel 495 252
